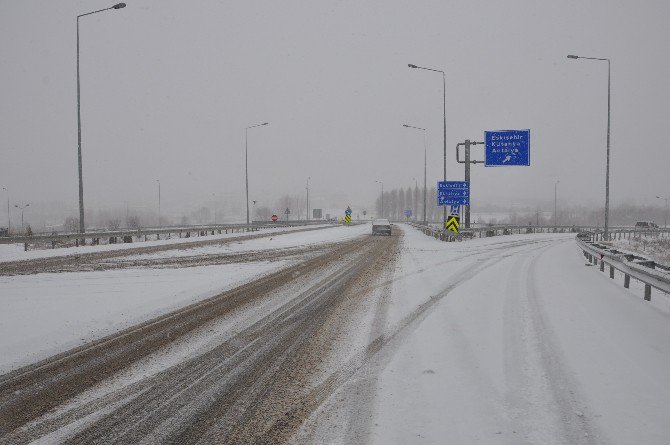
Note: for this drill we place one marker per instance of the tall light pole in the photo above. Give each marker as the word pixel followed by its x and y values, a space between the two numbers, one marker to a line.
pixel 22 208
pixel 246 161
pixel 308 178
pixel 665 223
pixel 607 168
pixel 380 182
pixel 424 168
pixel 82 226
pixel 9 221
pixel 444 119
pixel 555 214
pixel 159 202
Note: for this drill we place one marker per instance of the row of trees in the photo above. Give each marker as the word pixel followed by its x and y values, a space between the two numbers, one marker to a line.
pixel 398 200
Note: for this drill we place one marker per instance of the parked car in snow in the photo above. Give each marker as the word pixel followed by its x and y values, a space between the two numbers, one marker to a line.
pixel 381 227
pixel 646 225
pixel 4 232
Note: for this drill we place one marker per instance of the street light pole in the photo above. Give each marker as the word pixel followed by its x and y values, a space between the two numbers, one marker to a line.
pixel 382 197
pixel 665 222
pixel 308 178
pixel 607 168
pixel 424 168
pixel 246 161
pixel 444 127
pixel 22 208
pixel 555 214
pixel 159 202
pixel 82 227
pixel 9 221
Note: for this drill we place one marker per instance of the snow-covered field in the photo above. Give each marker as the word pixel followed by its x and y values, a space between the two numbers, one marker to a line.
pixel 47 313
pixel 493 341
pixel 655 248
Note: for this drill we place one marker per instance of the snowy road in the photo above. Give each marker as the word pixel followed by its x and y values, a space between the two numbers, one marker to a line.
pixel 406 339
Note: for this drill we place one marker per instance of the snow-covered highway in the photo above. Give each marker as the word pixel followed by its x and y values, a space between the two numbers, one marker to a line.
pixel 351 339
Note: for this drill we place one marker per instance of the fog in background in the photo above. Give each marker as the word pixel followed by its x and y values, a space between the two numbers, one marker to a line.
pixel 167 88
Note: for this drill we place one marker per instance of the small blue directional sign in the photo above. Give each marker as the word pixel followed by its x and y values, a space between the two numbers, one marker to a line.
pixel 348 211
pixel 408 213
pixel 453 193
pixel 455 209
pixel 507 147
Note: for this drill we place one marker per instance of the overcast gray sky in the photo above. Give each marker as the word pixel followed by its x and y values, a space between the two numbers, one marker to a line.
pixel 168 87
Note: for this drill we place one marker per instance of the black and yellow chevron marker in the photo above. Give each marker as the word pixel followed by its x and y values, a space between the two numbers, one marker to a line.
pixel 347 219
pixel 452 223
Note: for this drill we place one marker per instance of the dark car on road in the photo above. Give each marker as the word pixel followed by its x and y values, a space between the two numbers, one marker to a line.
pixel 381 227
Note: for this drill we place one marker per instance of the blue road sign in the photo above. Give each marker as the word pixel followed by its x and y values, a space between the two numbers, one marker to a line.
pixel 455 209
pixel 507 147
pixel 453 193
pixel 408 213
pixel 348 211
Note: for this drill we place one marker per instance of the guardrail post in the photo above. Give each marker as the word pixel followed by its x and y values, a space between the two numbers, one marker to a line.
pixel 647 292
pixel 626 281
pixel 25 247
pixel 611 271
pixel 602 266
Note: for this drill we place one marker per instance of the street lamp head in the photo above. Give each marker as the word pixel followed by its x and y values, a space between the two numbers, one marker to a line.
pixel 570 56
pixel 119 6
pixel 412 65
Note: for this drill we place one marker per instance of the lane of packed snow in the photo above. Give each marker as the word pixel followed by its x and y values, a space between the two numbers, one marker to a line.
pixel 522 344
pixel 47 313
pixel 15 252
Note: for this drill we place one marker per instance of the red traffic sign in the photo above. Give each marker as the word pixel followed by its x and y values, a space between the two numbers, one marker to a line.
pixel 274 218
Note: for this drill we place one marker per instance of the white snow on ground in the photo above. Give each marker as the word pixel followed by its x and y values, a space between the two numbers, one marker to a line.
pixel 287 240
pixel 48 313
pixel 44 314
pixel 522 344
pixel 655 248
pixel 534 348
pixel 15 252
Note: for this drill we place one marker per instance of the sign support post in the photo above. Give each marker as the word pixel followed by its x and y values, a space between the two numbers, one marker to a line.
pixel 467 162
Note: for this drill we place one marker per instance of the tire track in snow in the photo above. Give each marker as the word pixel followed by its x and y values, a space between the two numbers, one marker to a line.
pixel 380 350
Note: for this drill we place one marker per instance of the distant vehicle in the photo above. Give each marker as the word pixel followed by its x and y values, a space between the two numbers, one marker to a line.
pixel 646 225
pixel 4 232
pixel 381 227
pixel 585 236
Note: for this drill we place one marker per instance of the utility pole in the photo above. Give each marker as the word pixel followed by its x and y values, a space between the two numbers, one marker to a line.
pixel 555 212
pixel 467 162
pixel 382 198
pixel 607 166
pixel 9 221
pixel 159 202
pixel 22 208
pixel 665 223
pixel 308 178
pixel 246 161
pixel 444 125
pixel 82 226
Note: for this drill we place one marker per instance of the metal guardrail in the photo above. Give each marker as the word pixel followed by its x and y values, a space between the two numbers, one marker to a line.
pixel 483 232
pixel 649 272
pixel 113 236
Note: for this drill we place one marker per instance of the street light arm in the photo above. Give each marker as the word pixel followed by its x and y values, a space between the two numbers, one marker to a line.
pixel 258 125
pixel 411 126
pixel 424 68
pixel 571 56
pixel 117 6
